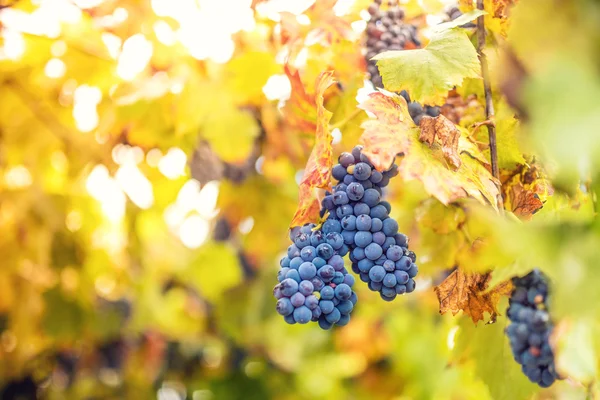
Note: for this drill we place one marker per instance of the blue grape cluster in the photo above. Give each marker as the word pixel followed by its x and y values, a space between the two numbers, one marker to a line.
pixel 379 254
pixel 531 328
pixel 313 283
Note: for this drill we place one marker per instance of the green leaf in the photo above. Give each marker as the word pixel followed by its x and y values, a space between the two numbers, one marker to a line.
pixel 488 347
pixel 430 72
pixel 575 350
pixel 215 270
pixel 455 23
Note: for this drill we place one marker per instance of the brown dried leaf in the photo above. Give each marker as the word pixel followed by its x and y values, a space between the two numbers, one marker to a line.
pixel 317 174
pixel 446 132
pixel 463 291
pixel 524 203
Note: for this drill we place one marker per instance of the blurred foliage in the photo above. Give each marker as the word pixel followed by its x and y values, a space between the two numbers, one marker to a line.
pixel 150 160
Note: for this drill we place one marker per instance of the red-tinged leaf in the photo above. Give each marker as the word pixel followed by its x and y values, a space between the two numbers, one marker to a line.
pixel 387 135
pixel 317 174
pixel 300 110
pixel 290 27
pixel 327 26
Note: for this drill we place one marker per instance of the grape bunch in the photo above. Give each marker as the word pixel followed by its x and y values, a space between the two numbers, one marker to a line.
pixel 386 30
pixel 313 283
pixel 531 327
pixel 379 254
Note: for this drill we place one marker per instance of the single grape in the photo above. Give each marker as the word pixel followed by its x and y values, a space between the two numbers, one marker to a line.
pixel 358 253
pixel 326 273
pixel 338 278
pixel 297 299
pixel 390 227
pixel 302 315
pixel 345 159
pixel 371 197
pixel 307 270
pixel 293 251
pixel 365 265
pixel 284 306
pixel 281 274
pixel 375 286
pixel 349 280
pixel 337 262
pixel 400 289
pixel 410 286
pixel 340 198
pixel 295 262
pixel 318 262
pixel 376 225
pixel 355 191
pixel 376 176
pixel 333 316
pixel 343 211
pixel 413 271
pixel 373 251
pixel 363 222
pixel 379 212
pixel 349 237
pixel 349 222
pixel 308 253
pixel 402 277
pixel 363 239
pixel 390 280
pixel 338 172
pixel 395 253
pixel 377 273
pixel 343 291
pixel 326 306
pixel 306 288
pixel 311 302
pixel 325 251
pixel 327 293
pixel 324 324
pixel 361 208
pixel 316 238
pixel 293 274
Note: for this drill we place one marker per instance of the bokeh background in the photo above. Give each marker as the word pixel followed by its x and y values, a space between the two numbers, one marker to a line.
pixel 148 175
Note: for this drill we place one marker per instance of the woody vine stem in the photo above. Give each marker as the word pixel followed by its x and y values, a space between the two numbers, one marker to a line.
pixel 489 105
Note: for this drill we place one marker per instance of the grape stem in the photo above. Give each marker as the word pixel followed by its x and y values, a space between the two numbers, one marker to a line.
pixel 489 105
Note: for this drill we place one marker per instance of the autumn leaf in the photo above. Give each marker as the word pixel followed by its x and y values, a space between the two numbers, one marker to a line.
pixel 299 110
pixel 446 132
pixel 522 202
pixel 430 72
pixel 387 135
pixel 428 166
pixel 327 27
pixel 317 174
pixel 467 292
pixel 392 132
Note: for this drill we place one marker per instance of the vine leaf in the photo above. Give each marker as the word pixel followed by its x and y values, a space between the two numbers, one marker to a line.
pixel 446 132
pixel 524 203
pixel 463 291
pixel 392 132
pixel 300 110
pixel 430 72
pixel 387 135
pixel 317 174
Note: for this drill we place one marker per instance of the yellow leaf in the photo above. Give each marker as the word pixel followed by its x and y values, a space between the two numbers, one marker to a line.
pixel 388 135
pixel 248 73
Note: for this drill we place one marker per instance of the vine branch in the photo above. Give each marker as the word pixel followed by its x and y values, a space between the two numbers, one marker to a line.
pixel 489 105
